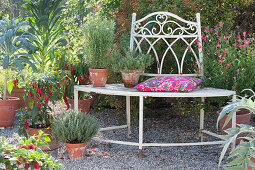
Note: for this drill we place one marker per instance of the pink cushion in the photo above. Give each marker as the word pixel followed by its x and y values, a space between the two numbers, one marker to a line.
pixel 169 84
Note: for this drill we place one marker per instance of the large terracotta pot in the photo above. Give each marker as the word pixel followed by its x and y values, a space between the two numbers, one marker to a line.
pixel 98 77
pixel 18 92
pixel 83 104
pixel 130 77
pixel 76 151
pixel 8 110
pixel 53 144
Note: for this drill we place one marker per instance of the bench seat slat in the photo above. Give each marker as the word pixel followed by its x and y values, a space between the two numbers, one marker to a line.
pixel 120 90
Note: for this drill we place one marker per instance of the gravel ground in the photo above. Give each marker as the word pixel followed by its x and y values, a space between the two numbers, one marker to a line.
pixel 167 127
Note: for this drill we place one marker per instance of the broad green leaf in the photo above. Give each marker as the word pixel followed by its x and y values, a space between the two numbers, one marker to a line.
pixel 6 62
pixel 10 86
pixel 34 111
pixel 30 103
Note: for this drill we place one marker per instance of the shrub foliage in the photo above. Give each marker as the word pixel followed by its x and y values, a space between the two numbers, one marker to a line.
pixel 75 127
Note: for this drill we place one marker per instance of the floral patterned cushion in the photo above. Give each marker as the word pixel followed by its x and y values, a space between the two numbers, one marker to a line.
pixel 169 84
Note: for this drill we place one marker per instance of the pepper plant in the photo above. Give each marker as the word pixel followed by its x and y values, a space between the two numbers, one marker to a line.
pixel 77 74
pixel 41 89
pixel 15 47
pixel 27 154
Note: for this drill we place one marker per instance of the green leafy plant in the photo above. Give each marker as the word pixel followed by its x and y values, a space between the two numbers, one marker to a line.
pixel 14 44
pixel 46 29
pixel 75 127
pixel 99 35
pixel 130 61
pixel 243 153
pixel 27 154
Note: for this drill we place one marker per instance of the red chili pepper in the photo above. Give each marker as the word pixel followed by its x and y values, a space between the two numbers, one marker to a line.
pixel 65 67
pixel 35 85
pixel 15 83
pixel 80 80
pixel 72 70
pixel 65 100
pixel 50 87
pixel 51 94
pixel 64 81
pixel 39 107
pixel 26 124
pixel 40 91
pixel 46 97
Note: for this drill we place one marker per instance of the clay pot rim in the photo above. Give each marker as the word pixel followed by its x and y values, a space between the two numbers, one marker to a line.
pixel 98 69
pixel 10 99
pixel 131 70
pixel 75 145
pixel 244 114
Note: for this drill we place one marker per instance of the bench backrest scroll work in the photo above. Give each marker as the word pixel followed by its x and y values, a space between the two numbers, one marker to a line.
pixel 172 40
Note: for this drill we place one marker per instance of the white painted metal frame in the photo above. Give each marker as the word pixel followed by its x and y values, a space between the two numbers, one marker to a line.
pixel 139 29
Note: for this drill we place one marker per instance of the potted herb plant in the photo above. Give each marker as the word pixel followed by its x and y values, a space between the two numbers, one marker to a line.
pixel 99 36
pixel 27 154
pixel 42 89
pixel 14 44
pixel 131 65
pixel 75 129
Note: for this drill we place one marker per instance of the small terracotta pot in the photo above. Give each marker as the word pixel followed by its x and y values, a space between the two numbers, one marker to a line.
pixel 76 151
pixel 18 92
pixel 130 77
pixel 83 104
pixel 98 77
pixel 53 144
pixel 8 110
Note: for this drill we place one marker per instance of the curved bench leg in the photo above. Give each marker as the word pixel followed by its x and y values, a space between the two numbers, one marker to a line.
pixel 141 127
pixel 128 116
pixel 201 127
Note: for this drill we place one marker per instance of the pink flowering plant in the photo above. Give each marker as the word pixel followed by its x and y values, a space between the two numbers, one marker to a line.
pixel 228 58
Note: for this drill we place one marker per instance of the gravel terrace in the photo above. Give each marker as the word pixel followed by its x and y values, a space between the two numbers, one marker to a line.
pixel 168 127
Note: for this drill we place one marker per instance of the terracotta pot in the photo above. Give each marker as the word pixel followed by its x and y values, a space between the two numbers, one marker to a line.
pixel 98 77
pixel 83 104
pixel 53 144
pixel 8 110
pixel 76 151
pixel 131 77
pixel 18 92
pixel 249 167
pixel 242 117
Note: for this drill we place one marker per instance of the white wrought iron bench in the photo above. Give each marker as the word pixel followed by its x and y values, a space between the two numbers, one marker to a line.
pixel 162 27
